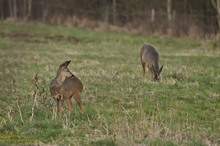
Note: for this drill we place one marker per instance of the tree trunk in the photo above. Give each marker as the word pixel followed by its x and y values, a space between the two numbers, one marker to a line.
pixel 10 8
pixel 216 4
pixel 106 17
pixel 114 11
pixel 169 17
pixel 24 9
pixel 15 8
pixel 29 9
pixel 2 11
pixel 45 10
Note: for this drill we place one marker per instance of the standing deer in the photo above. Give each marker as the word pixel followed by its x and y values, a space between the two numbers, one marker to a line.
pixel 65 86
pixel 150 58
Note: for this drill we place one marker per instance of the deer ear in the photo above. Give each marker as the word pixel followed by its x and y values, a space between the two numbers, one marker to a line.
pixel 65 64
pixel 161 68
pixel 68 62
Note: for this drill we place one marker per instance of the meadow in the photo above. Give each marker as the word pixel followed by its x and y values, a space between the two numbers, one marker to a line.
pixel 120 106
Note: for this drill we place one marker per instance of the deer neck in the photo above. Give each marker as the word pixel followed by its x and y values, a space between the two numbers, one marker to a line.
pixel 59 80
pixel 156 66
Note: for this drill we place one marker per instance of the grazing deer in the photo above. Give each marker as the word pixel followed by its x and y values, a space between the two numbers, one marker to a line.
pixel 64 86
pixel 150 58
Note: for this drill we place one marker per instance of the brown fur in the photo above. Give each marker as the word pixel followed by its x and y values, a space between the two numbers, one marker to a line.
pixel 65 86
pixel 150 58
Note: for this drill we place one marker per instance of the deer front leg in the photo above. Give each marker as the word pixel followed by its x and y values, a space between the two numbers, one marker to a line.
pixel 150 70
pixel 151 74
pixel 59 105
pixel 143 66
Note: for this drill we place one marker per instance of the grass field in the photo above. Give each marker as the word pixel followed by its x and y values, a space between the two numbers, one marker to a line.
pixel 120 107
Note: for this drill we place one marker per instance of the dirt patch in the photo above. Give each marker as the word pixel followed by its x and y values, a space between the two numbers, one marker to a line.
pixel 33 38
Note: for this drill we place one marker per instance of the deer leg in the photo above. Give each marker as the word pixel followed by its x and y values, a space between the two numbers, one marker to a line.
pixel 143 66
pixel 59 105
pixel 69 104
pixel 151 74
pixel 78 100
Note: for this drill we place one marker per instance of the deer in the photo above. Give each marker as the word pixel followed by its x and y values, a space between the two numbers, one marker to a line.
pixel 65 86
pixel 150 58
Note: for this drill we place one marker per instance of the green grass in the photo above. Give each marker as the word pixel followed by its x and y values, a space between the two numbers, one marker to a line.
pixel 120 107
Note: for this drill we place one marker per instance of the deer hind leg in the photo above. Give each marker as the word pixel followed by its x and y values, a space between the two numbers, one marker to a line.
pixel 69 104
pixel 78 100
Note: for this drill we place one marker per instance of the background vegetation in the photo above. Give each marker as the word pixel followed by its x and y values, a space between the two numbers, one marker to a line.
pixel 196 19
pixel 120 107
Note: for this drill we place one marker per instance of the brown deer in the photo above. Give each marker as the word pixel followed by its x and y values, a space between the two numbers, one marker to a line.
pixel 65 86
pixel 150 58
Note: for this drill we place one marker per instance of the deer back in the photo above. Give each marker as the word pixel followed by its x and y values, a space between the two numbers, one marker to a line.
pixel 150 56
pixel 71 86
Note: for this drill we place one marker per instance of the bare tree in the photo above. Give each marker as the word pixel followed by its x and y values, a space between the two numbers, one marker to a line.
pixel 1 10
pixel 28 6
pixel 216 4
pixel 46 10
pixel 25 8
pixel 169 16
pixel 114 11
pixel 13 8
